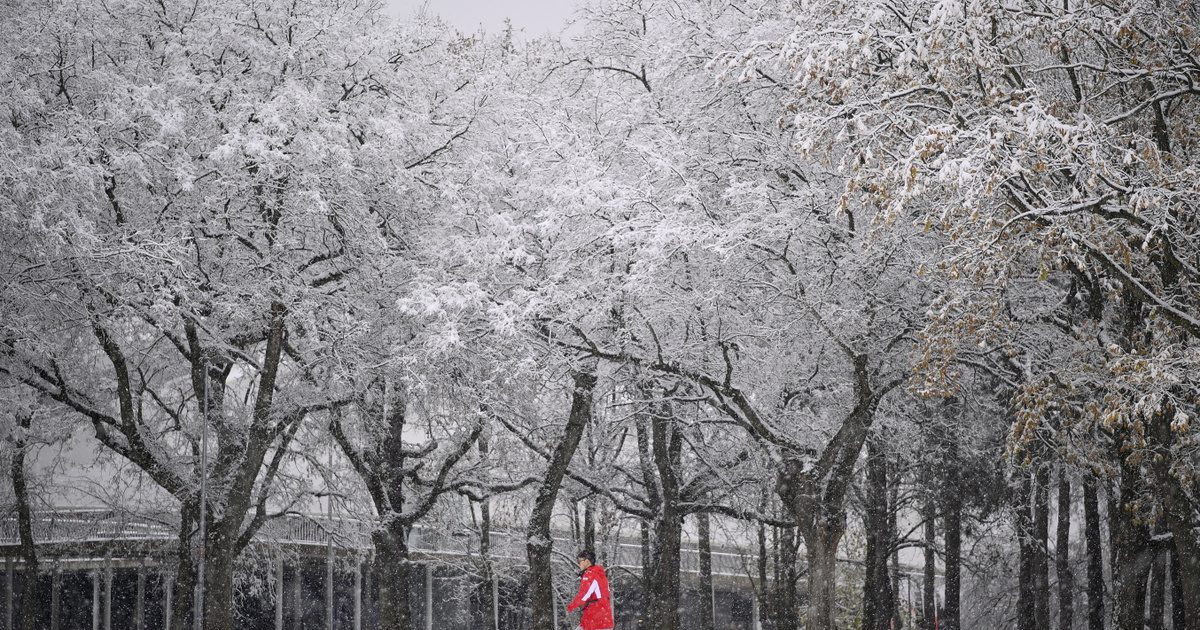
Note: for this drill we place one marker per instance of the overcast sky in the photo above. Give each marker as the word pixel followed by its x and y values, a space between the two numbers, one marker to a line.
pixel 535 17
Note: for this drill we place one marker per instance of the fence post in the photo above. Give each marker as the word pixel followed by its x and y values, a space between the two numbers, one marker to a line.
pixel 168 583
pixel 329 586
pixel 297 603
pixel 139 611
pixel 95 599
pixel 357 593
pixel 8 594
pixel 108 583
pixel 428 596
pixel 279 594
pixel 55 596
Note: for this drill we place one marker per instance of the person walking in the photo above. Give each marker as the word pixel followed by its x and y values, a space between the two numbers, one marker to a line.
pixel 593 596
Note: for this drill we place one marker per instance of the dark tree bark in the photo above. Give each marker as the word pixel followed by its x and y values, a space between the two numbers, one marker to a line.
pixel 1041 530
pixel 878 603
pixel 538 543
pixel 647 574
pixel 869 619
pixel 928 582
pixel 589 523
pixel 821 539
pixel 704 544
pixel 184 603
pixel 394 571
pixel 30 595
pixel 786 596
pixel 487 571
pixel 650 479
pixel 1158 593
pixel 1131 555
pixel 1026 599
pixel 953 525
pixel 1178 513
pixel 1178 608
pixel 1095 559
pixel 1062 565
pixel 893 533
pixel 765 599
pixel 667 448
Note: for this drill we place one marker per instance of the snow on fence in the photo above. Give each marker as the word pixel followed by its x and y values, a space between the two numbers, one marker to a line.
pixel 103 526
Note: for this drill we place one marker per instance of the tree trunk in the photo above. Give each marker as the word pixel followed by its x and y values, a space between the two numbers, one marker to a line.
pixel 1177 513
pixel 650 479
pixel 239 465
pixel 1062 565
pixel 953 525
pixel 664 595
pixel 1041 530
pixel 1026 604
pixel 218 584
pixel 869 618
pixel 928 603
pixel 589 524
pixel 704 544
pixel 383 467
pixel 785 594
pixel 538 543
pixel 487 571
pixel 184 604
pixel 1158 593
pixel 393 571
pixel 487 574
pixel 816 498
pixel 1095 560
pixel 952 521
pixel 215 551
pixel 893 537
pixel 1131 556
pixel 667 449
pixel 821 542
pixel 878 603
pixel 1187 550
pixel 1178 607
pixel 764 593
pixel 30 597
pixel 647 575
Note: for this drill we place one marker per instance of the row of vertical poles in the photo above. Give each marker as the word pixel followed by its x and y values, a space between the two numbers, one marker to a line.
pixel 298 609
pixel 102 591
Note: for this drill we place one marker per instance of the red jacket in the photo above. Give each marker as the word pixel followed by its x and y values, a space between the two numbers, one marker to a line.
pixel 595 599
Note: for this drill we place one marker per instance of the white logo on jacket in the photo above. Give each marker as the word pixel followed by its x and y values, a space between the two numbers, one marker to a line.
pixel 593 589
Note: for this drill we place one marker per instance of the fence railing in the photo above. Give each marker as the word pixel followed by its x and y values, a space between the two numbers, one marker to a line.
pixel 82 526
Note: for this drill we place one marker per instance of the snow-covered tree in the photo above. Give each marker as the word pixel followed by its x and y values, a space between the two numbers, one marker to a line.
pixel 195 199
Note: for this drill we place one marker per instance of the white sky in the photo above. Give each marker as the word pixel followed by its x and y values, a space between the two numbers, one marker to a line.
pixel 535 17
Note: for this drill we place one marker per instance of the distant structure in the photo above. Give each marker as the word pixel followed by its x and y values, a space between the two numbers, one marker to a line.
pixel 110 570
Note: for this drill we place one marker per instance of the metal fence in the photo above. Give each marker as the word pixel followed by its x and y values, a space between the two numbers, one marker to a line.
pixel 99 526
